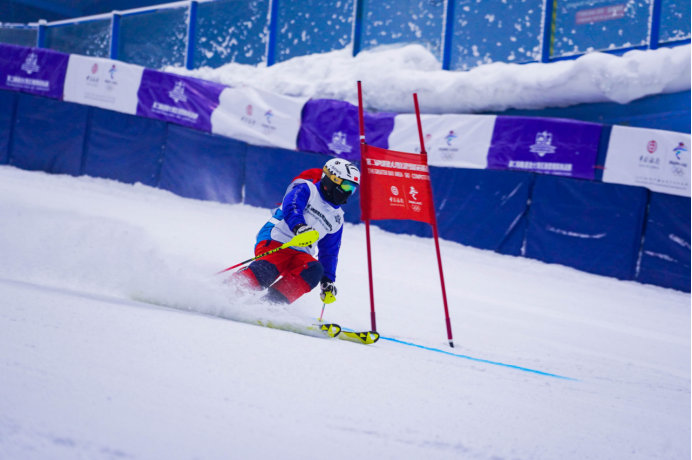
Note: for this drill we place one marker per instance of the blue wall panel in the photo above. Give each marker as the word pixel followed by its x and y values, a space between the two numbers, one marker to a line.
pixel 675 20
pixel 479 208
pixel 486 32
pixel 8 99
pixel 231 31
pixel 591 226
pixel 124 147
pixel 90 38
pixel 313 26
pixel 48 135
pixel 203 166
pixel 154 39
pixel 581 26
pixel 665 258
pixel 387 22
pixel 268 171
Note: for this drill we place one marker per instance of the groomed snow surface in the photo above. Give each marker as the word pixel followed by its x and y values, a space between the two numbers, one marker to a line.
pixel 90 370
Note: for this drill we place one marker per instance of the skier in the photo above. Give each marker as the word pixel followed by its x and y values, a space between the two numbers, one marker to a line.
pixel 312 202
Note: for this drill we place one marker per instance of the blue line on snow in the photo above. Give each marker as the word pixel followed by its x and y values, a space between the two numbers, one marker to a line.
pixel 494 363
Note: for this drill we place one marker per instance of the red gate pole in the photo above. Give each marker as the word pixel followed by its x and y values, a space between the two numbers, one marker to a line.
pixel 434 226
pixel 363 197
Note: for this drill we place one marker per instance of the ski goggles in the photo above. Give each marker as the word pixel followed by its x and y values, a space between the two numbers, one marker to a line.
pixel 346 185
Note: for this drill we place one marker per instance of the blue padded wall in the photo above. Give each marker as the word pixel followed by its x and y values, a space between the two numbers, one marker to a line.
pixel 268 171
pixel 48 135
pixel 124 147
pixel 203 166
pixel 665 258
pixel 479 208
pixel 8 101
pixel 592 226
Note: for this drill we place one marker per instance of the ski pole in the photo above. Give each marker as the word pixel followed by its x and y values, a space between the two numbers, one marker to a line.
pixel 300 240
pixel 322 314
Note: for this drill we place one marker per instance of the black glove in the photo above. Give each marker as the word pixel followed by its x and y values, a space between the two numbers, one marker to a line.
pixel 301 228
pixel 304 228
pixel 328 290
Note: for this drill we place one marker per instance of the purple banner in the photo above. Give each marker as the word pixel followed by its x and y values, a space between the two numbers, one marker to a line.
pixel 177 99
pixel 543 145
pixel 330 126
pixel 33 70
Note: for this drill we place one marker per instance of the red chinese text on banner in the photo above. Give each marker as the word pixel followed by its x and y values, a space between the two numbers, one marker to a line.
pixel 397 186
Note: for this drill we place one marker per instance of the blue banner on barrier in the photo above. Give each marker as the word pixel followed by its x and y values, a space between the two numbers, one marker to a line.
pixel 203 166
pixel 33 70
pixel 183 100
pixel 544 145
pixel 665 258
pixel 48 135
pixel 591 226
pixel 331 127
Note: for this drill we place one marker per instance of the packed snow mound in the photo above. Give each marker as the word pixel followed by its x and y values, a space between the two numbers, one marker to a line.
pixel 390 74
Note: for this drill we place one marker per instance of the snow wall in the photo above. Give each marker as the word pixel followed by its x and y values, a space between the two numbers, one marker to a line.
pixel 608 200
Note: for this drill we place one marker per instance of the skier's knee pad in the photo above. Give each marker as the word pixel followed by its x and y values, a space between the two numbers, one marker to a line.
pixel 312 273
pixel 265 272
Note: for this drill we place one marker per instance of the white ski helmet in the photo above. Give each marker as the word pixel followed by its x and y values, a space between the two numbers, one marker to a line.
pixel 340 179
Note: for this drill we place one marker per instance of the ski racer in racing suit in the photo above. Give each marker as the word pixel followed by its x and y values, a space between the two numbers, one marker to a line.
pixel 312 202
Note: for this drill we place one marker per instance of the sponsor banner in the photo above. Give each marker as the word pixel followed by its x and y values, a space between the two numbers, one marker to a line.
pixel 258 117
pixel 330 126
pixel 395 185
pixel 32 70
pixel 600 14
pixel 547 146
pixel 177 99
pixel 457 141
pixel 103 83
pixel 655 159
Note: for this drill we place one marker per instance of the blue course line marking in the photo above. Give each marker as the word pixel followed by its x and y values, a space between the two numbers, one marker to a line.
pixel 479 360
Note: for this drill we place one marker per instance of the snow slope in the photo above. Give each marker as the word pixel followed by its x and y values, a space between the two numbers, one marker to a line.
pixel 89 370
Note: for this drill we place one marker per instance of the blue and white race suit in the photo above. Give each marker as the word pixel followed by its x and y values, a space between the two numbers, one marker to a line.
pixel 303 204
